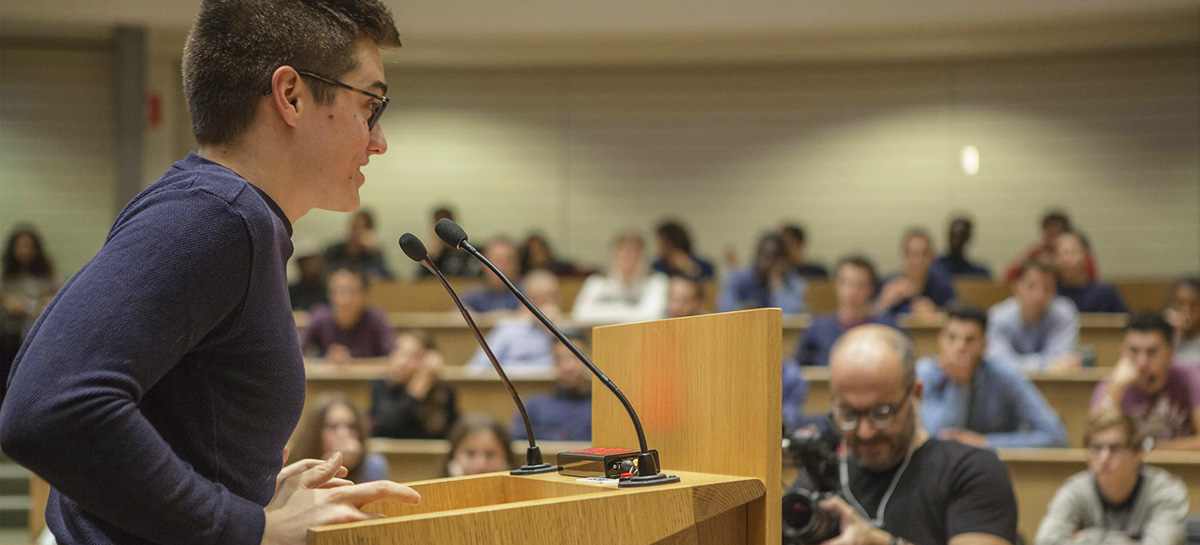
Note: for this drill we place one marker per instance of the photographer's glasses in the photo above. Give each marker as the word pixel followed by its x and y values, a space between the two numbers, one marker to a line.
pixel 376 109
pixel 881 417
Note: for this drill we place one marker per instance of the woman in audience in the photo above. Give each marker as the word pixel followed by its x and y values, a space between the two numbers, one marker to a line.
pixel 1118 499
pixel 536 254
pixel 1072 253
pixel 347 328
pixel 854 286
pixel 675 257
pixel 769 282
pixel 626 293
pixel 413 402
pixel 1183 313
pixel 360 251
pixel 27 282
pixel 336 425
pixel 478 444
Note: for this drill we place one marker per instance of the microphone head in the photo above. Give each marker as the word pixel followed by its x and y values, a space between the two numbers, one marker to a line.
pixel 450 233
pixel 413 247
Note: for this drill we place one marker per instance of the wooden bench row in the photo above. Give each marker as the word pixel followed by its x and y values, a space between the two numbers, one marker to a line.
pixel 428 296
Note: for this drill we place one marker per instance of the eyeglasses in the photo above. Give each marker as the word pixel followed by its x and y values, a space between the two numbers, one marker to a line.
pixel 1114 448
pixel 376 110
pixel 881 417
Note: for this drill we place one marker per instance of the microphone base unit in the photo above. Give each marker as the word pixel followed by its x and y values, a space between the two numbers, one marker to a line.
pixel 614 463
pixel 648 480
pixel 535 469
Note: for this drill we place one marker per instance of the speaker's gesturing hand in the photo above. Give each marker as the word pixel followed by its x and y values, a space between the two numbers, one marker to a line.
pixel 304 499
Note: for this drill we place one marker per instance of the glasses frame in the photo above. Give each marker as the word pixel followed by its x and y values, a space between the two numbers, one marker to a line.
pixel 376 112
pixel 872 415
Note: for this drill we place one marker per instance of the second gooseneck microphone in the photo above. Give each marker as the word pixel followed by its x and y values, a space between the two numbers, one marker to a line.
pixel 648 465
pixel 415 250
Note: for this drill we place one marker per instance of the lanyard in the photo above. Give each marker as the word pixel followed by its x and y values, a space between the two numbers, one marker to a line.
pixel 844 473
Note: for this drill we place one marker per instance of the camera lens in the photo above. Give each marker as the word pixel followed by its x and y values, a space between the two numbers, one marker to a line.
pixel 804 522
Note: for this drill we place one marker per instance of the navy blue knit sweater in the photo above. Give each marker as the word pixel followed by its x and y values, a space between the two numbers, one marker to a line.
pixel 157 391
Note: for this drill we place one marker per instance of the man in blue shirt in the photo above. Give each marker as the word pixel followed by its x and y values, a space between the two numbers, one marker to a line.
pixel 955 262
pixel 769 282
pixel 158 390
pixel 1072 252
pixel 980 401
pixel 854 285
pixel 919 289
pixel 493 296
pixel 1035 328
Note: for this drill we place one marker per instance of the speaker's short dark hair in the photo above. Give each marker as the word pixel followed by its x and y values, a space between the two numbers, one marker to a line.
pixel 1150 322
pixel 967 313
pixel 235 46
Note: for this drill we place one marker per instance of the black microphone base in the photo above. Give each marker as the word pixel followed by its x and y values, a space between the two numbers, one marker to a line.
pixel 535 469
pixel 648 480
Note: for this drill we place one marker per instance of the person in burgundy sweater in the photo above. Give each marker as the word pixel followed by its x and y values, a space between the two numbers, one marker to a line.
pixel 157 391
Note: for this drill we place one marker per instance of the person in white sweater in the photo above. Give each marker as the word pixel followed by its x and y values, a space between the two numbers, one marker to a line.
pixel 627 293
pixel 1118 499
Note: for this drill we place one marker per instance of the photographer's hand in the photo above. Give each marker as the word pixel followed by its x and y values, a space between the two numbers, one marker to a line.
pixel 855 530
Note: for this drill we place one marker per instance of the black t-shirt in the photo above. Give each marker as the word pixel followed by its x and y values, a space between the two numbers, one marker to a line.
pixel 947 489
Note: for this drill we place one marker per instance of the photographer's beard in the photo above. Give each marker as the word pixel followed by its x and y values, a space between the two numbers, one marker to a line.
pixel 885 449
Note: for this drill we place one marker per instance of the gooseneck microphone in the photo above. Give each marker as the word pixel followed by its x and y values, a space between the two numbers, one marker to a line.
pixel 415 250
pixel 648 467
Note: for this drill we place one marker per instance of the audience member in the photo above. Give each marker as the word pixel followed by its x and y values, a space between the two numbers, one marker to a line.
pixel 309 290
pixel 1163 398
pixel 478 444
pixel 1117 499
pixel 336 425
pixel 795 393
pixel 919 289
pixel 413 402
pixel 675 256
pixel 520 342
pixel 1072 252
pixel 27 282
pixel 626 293
pixel 1035 328
pixel 769 282
pixel 1183 313
pixel 1054 223
pixel 565 415
pixel 452 262
pixel 360 251
pixel 685 297
pixel 494 296
pixel 898 484
pixel 795 244
pixel 955 262
pixel 854 285
pixel 536 254
pixel 347 328
pixel 979 401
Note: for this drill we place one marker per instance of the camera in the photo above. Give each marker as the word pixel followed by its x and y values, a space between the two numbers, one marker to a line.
pixel 804 522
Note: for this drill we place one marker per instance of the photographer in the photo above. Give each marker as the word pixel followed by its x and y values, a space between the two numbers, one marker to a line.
pixel 898 485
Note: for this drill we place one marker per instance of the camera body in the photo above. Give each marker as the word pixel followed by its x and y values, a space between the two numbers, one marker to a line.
pixel 804 522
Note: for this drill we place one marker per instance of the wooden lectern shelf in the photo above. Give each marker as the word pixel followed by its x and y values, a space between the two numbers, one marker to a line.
pixel 552 508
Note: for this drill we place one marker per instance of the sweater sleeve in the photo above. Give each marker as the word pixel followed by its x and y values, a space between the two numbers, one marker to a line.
pixel 171 276
pixel 1168 513
pixel 1064 516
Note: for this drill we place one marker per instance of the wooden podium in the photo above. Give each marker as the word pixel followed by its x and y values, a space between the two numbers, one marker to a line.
pixel 707 390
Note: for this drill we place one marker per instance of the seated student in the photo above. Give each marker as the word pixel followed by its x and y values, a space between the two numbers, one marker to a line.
pixel 979 401
pixel 1071 254
pixel 336 425
pixel 854 285
pixel 520 342
pixel 360 251
pixel 1054 223
pixel 685 297
pixel 413 402
pixel 898 484
pixel 955 262
pixel 494 296
pixel 565 415
pixel 1163 398
pixel 347 328
pixel 794 243
pixel 309 290
pixel 675 256
pixel 1035 328
pixel 452 262
pixel 919 289
pixel 1183 313
pixel 769 282
pixel 537 255
pixel 626 293
pixel 1118 499
pixel 478 444
pixel 795 393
